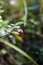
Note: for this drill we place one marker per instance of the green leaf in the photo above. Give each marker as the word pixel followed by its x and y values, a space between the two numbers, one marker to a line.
pixel 12 39
pixel 4 22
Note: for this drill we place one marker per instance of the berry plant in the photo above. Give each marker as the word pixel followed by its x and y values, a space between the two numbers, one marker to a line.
pixel 18 27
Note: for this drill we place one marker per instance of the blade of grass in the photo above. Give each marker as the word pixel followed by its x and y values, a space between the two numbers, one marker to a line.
pixel 18 50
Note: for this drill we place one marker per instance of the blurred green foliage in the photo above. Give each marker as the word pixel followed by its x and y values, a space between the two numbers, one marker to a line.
pixel 25 15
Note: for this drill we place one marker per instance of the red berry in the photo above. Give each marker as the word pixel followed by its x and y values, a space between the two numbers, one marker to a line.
pixel 21 32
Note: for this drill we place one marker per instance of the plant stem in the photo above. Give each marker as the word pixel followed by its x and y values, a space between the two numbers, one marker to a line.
pixel 25 8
